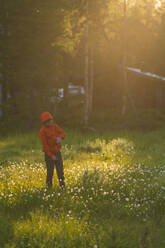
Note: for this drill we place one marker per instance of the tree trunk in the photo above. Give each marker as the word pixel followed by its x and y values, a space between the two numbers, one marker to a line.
pixel 124 62
pixel 86 103
pixel 1 113
pixel 91 79
pixel 4 54
pixel 127 98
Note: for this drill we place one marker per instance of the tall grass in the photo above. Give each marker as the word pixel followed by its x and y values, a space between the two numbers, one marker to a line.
pixel 115 194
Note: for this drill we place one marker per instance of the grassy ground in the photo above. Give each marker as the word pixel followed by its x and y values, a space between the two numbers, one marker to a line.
pixel 115 195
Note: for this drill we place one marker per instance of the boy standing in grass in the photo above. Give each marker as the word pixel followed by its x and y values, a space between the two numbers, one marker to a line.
pixel 51 136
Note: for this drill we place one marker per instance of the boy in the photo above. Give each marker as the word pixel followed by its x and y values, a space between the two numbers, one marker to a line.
pixel 51 136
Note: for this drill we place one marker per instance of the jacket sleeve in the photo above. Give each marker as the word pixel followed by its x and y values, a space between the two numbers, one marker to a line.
pixel 45 145
pixel 60 132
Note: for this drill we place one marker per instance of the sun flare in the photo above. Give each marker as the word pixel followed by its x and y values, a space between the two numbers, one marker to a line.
pixel 158 4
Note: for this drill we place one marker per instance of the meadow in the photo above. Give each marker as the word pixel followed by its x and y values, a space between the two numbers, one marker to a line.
pixel 115 195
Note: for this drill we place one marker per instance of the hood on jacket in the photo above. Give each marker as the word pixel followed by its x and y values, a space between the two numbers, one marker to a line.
pixel 45 117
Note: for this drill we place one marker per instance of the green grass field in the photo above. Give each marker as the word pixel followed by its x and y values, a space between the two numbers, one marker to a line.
pixel 115 195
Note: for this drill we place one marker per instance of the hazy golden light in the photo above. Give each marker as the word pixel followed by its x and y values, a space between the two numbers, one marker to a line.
pixel 158 4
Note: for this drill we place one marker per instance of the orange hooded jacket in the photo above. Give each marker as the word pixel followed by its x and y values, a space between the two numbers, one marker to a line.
pixel 48 136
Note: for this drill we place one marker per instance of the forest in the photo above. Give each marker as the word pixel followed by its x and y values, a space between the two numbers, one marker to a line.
pixel 48 47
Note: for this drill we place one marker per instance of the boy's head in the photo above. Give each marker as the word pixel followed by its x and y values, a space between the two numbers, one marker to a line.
pixel 48 123
pixel 46 119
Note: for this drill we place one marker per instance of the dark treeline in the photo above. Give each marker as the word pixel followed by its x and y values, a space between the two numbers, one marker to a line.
pixel 47 45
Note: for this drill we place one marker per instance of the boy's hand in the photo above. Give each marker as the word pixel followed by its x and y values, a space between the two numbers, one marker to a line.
pixel 54 157
pixel 58 140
